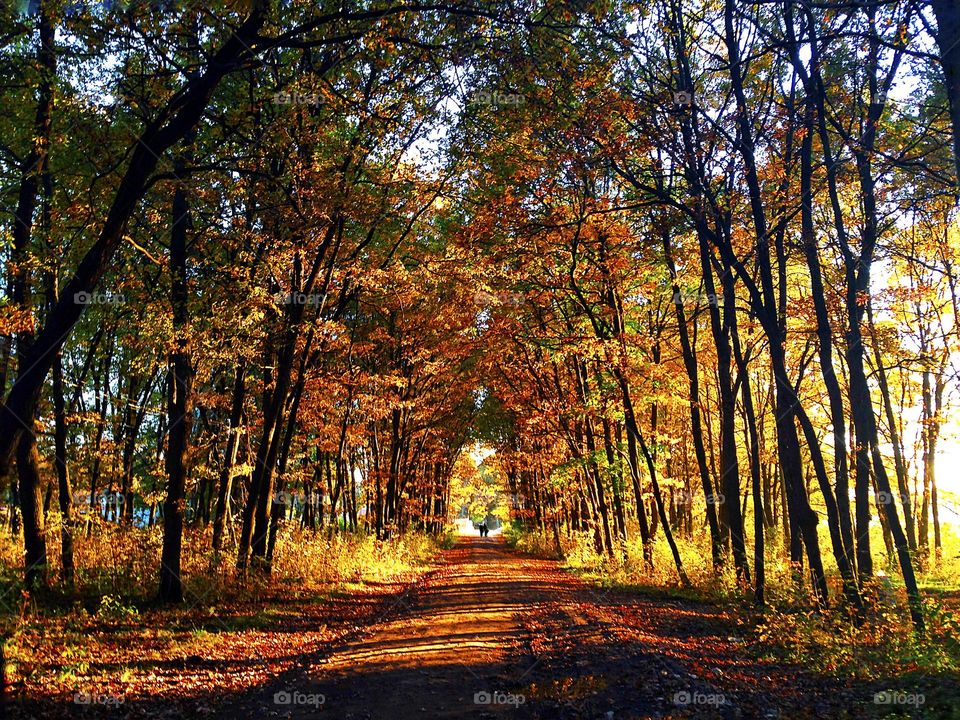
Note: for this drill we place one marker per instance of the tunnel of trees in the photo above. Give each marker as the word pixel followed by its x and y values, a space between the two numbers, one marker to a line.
pixel 687 268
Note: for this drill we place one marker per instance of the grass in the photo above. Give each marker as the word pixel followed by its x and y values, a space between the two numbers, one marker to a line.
pixel 880 645
pixel 108 630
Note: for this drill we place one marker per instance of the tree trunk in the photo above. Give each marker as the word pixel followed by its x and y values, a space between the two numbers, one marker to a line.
pixel 179 406
pixel 234 431
pixel 729 467
pixel 35 544
pixel 947 14
pixel 759 513
pixel 63 472
pixel 690 363
pixel 895 441
pixel 35 167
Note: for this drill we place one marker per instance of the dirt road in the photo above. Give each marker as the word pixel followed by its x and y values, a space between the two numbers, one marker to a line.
pixel 493 633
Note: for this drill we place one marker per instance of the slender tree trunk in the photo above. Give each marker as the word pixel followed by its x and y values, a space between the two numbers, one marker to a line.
pixel 594 473
pixel 939 387
pixel 63 472
pixel 616 483
pixel 898 462
pixel 179 406
pixel 759 514
pixel 690 363
pixel 633 463
pixel 234 431
pixel 658 499
pixel 927 459
pixel 35 558
pixel 729 466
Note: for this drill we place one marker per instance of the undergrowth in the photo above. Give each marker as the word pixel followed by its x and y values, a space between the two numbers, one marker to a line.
pixel 877 643
pixel 116 581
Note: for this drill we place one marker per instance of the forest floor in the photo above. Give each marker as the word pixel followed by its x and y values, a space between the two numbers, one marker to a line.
pixel 485 633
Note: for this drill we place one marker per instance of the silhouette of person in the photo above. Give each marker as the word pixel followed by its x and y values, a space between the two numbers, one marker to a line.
pixel 483 529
